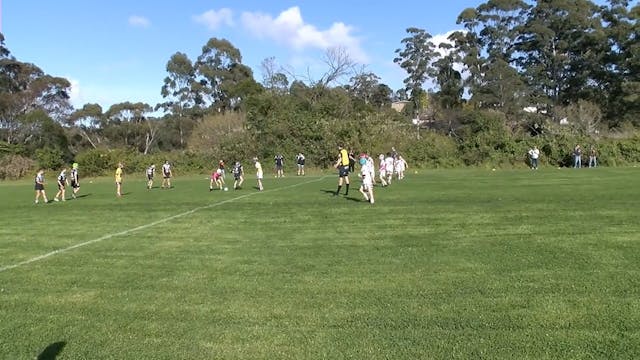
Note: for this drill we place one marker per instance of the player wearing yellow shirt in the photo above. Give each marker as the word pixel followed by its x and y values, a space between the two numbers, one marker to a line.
pixel 119 180
pixel 342 164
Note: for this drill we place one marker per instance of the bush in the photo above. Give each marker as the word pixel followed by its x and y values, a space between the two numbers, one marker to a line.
pixel 15 167
pixel 49 158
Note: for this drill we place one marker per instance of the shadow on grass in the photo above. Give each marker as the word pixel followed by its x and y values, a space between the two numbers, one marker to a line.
pixel 332 192
pixel 52 351
pixel 83 195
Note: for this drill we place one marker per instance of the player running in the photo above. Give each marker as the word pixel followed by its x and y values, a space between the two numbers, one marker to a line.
pixel 366 188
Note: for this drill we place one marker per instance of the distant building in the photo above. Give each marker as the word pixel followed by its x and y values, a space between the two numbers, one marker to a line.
pixel 399 105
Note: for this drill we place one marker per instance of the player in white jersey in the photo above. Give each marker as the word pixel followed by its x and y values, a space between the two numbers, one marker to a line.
pixel 382 167
pixel 389 167
pixel 259 173
pixel 372 168
pixel 75 180
pixel 166 175
pixel 400 166
pixel 151 171
pixel 366 188
pixel 62 185
pixel 39 186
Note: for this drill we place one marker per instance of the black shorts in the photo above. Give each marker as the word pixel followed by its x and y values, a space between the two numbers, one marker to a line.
pixel 61 186
pixel 278 167
pixel 237 176
pixel 343 171
pixel 149 177
pixel 167 176
pixel 39 187
pixel 301 163
pixel 75 185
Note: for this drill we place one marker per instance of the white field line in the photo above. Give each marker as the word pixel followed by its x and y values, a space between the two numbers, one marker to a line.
pixel 142 227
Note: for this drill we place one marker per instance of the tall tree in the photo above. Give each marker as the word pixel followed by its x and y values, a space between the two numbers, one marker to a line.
pixel 223 75
pixel 554 50
pixel 183 94
pixel 416 58
pixel 88 122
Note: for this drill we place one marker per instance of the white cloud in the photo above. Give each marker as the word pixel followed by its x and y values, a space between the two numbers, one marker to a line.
pixel 289 29
pixel 139 21
pixel 213 19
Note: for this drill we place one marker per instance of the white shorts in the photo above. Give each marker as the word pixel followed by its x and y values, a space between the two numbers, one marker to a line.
pixel 366 184
pixel 383 173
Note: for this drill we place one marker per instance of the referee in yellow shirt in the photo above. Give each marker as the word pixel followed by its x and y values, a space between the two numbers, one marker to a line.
pixel 343 170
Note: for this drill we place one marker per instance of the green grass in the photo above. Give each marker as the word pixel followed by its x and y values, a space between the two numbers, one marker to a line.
pixel 447 264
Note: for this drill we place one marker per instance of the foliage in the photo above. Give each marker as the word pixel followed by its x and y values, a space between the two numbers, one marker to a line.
pixel 49 158
pixel 15 167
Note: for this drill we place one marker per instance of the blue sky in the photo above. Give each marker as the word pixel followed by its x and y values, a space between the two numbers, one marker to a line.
pixel 117 50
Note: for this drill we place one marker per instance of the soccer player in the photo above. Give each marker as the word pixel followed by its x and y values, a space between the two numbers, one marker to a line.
pixel 62 184
pixel 75 180
pixel 259 173
pixel 366 188
pixel 400 166
pixel 39 186
pixel 238 175
pixel 166 175
pixel 222 172
pixel 300 161
pixel 389 160
pixel 342 164
pixel 382 169
pixel 372 168
pixel 216 178
pixel 151 171
pixel 279 159
pixel 119 180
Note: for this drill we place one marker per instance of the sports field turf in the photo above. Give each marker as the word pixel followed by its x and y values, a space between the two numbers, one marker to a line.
pixel 465 264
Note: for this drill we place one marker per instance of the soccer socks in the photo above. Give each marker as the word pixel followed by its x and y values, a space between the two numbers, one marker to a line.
pixel 338 191
pixel 347 190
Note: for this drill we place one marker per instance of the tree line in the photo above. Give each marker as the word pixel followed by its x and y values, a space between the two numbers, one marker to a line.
pixel 550 72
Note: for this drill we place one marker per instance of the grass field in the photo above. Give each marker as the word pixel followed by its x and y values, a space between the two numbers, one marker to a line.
pixel 464 264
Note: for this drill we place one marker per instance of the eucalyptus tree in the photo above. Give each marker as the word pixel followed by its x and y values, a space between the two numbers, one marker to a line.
pixel 416 59
pixel 130 125
pixel 223 76
pixel 558 50
pixel 88 123
pixel 486 48
pixel 25 88
pixel 363 86
pixel 621 73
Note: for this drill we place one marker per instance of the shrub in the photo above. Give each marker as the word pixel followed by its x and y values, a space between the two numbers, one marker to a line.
pixel 15 166
pixel 49 158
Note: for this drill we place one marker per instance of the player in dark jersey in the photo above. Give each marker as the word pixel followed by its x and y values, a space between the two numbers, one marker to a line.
pixel 279 160
pixel 300 159
pixel 238 175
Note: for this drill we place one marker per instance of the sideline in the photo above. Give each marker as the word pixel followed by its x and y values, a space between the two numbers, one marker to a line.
pixel 151 224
